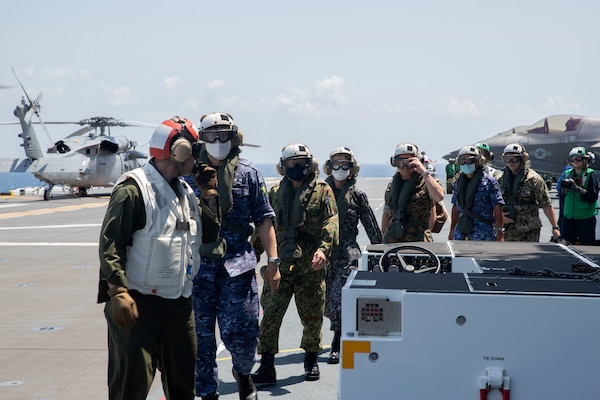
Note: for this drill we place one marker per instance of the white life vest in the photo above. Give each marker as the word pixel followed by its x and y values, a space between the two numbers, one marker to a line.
pixel 164 256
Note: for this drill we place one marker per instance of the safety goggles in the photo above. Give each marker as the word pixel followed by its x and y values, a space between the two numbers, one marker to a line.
pixel 467 160
pixel 402 162
pixel 576 158
pixel 511 159
pixel 343 164
pixel 211 136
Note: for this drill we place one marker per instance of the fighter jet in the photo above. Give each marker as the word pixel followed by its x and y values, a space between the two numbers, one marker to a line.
pixel 547 141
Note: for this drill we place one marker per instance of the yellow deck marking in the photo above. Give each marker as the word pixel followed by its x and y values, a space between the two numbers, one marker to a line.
pixel 43 211
pixel 349 347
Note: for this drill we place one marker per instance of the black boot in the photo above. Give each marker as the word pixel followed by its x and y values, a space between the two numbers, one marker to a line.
pixel 265 375
pixel 311 367
pixel 214 396
pixel 246 387
pixel 334 354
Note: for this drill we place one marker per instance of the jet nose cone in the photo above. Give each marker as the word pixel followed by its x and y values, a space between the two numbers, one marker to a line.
pixel 452 154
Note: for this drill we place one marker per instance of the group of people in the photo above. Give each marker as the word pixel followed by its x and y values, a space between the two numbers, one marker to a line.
pixel 489 204
pixel 179 247
pixel 182 237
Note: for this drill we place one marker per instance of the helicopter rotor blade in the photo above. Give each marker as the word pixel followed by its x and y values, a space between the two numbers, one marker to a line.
pixel 22 87
pixel 44 127
pixel 250 145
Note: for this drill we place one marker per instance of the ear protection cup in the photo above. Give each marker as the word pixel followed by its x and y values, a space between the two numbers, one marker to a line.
pixel 237 137
pixel 491 156
pixel 327 167
pixel 280 168
pixel 314 165
pixel 392 162
pixel 181 150
pixel 354 170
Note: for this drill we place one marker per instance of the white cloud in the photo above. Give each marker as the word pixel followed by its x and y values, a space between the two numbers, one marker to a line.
pixel 451 105
pixel 172 83
pixel 217 83
pixel 325 96
pixel 120 96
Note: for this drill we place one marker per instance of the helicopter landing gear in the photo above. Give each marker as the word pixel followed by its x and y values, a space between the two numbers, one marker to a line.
pixel 81 192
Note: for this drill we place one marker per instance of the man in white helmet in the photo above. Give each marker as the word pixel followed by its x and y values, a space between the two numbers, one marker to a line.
pixel 524 192
pixel 353 209
pixel 149 244
pixel 409 198
pixel 225 289
pixel 307 227
pixel 476 201
pixel 579 199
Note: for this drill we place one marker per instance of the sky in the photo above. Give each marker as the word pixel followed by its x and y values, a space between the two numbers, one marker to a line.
pixel 362 74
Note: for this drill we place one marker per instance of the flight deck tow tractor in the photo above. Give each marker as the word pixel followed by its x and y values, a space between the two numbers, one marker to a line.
pixel 472 320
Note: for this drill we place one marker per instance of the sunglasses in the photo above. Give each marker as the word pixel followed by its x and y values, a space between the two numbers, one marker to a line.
pixel 467 160
pixel 511 160
pixel 575 158
pixel 211 136
pixel 345 165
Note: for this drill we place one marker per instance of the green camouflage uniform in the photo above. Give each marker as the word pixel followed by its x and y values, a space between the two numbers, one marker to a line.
pixel 417 215
pixel 533 194
pixel 319 231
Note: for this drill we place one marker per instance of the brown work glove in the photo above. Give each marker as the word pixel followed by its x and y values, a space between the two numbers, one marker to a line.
pixel 122 307
pixel 205 177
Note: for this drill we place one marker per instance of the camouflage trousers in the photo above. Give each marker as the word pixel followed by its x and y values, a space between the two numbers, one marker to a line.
pixel 511 234
pixel 308 289
pixel 337 275
pixel 233 302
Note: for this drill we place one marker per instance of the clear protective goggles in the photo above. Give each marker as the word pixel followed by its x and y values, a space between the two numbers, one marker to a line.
pixel 343 164
pixel 211 136
pixel 511 159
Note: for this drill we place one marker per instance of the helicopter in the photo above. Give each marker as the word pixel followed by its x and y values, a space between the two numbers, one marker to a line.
pixel 89 157
pixel 548 141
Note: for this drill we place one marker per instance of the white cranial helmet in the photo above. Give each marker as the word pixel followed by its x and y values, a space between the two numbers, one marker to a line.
pixel 295 150
pixel 406 148
pixel 514 148
pixel 216 119
pixel 469 150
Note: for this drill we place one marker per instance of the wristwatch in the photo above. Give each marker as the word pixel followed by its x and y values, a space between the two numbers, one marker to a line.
pixel 500 230
pixel 276 261
pixel 555 227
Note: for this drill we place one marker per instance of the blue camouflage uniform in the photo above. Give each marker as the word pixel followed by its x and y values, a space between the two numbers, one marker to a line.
pixel 487 196
pixel 232 300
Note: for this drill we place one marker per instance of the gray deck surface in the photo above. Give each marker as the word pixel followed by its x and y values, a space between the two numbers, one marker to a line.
pixel 52 332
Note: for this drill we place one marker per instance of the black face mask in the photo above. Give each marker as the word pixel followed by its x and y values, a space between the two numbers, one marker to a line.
pixel 297 172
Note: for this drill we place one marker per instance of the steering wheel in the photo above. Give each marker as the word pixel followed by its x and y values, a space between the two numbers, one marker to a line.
pixel 393 260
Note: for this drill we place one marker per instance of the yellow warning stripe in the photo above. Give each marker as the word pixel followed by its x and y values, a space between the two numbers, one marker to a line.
pixel 43 211
pixel 349 348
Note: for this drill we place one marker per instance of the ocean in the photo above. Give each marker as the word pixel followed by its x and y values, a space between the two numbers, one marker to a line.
pixel 15 180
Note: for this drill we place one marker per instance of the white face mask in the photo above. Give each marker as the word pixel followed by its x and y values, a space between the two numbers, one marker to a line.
pixel 340 174
pixel 218 150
